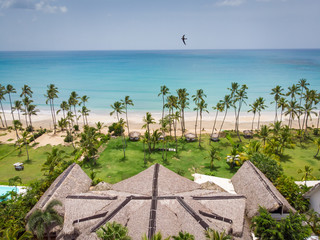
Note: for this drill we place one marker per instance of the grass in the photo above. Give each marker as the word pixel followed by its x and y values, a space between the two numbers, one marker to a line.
pixel 9 155
pixel 112 168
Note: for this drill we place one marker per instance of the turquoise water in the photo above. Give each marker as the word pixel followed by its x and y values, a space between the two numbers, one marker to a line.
pixel 107 76
pixel 5 189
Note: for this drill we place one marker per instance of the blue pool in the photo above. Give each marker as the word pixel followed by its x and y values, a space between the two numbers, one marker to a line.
pixel 5 189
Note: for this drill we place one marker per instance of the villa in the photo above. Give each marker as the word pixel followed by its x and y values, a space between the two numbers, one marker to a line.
pixel 158 199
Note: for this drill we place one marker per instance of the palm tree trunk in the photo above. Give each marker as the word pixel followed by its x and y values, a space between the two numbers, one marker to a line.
pixel 4 116
pixel 54 128
pixel 184 123
pixel 195 128
pixel 11 108
pixel 200 128
pixel 75 112
pixel 162 107
pixel 19 115
pixel 317 152
pixel 124 147
pixel 26 149
pixel 238 121
pixel 222 122
pixel 259 120
pixel 254 115
pixel 54 116
pixel 127 120
pixel 175 134
pixel 214 124
pixel 281 115
pixel 144 153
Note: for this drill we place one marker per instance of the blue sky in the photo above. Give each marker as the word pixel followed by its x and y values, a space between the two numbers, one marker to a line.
pixel 158 24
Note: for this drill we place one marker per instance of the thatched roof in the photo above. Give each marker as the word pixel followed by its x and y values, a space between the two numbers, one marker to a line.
pixel 154 200
pixel 247 133
pixel 134 135
pixel 72 180
pixel 259 191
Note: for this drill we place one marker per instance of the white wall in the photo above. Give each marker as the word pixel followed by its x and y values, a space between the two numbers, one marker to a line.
pixel 315 200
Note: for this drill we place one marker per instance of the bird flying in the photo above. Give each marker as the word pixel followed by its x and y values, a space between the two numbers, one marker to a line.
pixel 184 39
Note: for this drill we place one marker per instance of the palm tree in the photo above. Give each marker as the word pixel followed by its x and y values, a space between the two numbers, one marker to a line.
pixel 64 106
pixel 73 101
pixel 197 98
pixel 293 91
pixel 227 101
pixel 176 117
pixel 99 126
pixel 264 133
pixel 84 99
pixel 215 235
pixel 122 125
pixel 148 119
pixel 240 96
pixel 172 103
pixel 219 107
pixel 18 107
pixel 202 108
pixel 234 89
pixel 32 111
pixel 17 125
pixel 14 181
pixel 317 142
pixel 51 95
pixel 254 109
pixel 292 111
pixel 62 123
pixel 85 112
pixel 11 89
pixel 117 108
pixel 183 104
pixel 307 173
pixel 261 106
pixel 26 102
pixel 282 104
pixel 213 154
pixel 277 92
pixel 308 108
pixel 40 222
pixel 303 85
pixel 25 141
pixel 127 101
pixel 163 91
pixel 2 93
pixel 54 159
pixel 26 93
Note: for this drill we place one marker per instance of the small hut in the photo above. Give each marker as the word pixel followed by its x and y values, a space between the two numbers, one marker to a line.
pixel 161 136
pixel 134 136
pixel 190 137
pixel 215 137
pixel 247 134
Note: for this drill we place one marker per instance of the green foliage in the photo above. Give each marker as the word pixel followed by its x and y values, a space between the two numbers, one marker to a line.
pixel 313 220
pixel 270 167
pixel 183 236
pixel 113 231
pixel 40 222
pixel 156 236
pixel 215 235
pixel 68 138
pixel 16 234
pixel 293 193
pixel 116 129
pixel 289 228
pixel 76 127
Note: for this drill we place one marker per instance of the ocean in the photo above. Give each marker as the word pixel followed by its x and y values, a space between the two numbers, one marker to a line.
pixel 108 76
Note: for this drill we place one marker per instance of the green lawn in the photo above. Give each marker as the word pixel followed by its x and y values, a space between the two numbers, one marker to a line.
pixel 112 168
pixel 32 169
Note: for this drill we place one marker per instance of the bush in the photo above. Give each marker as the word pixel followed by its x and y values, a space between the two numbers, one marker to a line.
pixel 29 129
pixel 316 131
pixel 112 231
pixel 68 138
pixel 76 127
pixel 116 129
pixel 270 167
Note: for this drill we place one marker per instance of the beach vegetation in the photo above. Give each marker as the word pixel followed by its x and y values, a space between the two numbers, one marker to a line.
pixel 211 234
pixel 113 231
pixel 183 236
pixel 2 94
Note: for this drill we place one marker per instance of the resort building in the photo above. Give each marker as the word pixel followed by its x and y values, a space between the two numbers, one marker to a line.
pixel 158 199
pixel 314 197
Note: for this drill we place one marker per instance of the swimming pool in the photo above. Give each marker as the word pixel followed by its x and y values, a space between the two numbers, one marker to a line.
pixel 4 189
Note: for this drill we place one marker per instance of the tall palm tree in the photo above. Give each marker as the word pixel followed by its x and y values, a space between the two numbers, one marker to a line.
pixel 26 94
pixel 11 89
pixel 32 111
pixel 292 111
pixel 264 133
pixel 197 98
pixel 73 101
pixel 54 159
pixel 277 92
pixel 282 104
pixel 64 106
pixel 240 96
pixel 183 104
pixel 202 108
pixel 213 155
pixel 234 89
pixel 163 91
pixel 17 125
pixel 25 140
pixel 227 101
pixel 51 95
pixel 99 126
pixel 317 142
pixel 40 222
pixel 124 144
pixel 26 102
pixel 253 109
pixel 293 91
pixel 2 93
pixel 172 103
pixel 148 119
pixel 308 108
pixel 85 99
pixel 303 85
pixel 127 101
pixel 117 108
pixel 85 112
pixel 219 107
pixel 176 117
pixel 18 107
pixel 261 106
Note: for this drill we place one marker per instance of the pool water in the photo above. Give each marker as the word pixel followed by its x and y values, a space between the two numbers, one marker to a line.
pixel 5 189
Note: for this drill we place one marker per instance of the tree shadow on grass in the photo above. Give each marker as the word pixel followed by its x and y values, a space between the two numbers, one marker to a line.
pixel 317 157
pixel 28 161
pixel 233 169
pixel 91 165
pixel 285 158
pixel 212 170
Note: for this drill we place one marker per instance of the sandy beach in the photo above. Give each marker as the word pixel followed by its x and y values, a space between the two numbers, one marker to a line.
pixel 44 120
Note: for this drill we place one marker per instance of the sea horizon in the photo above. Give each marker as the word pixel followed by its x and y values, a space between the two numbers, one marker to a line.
pixel 106 76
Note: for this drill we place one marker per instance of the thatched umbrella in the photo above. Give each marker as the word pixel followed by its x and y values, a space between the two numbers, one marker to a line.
pixel 215 137
pixel 247 134
pixel 134 136
pixel 190 137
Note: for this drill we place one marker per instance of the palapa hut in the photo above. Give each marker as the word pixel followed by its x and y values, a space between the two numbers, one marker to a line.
pixel 134 136
pixel 259 191
pixel 156 199
pixel 215 137
pixel 247 134
pixel 190 137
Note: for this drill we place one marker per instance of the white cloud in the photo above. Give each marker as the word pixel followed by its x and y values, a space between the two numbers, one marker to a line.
pixel 231 3
pixel 46 6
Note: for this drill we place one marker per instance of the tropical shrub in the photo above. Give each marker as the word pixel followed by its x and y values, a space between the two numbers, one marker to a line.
pixel 183 236
pixel 116 129
pixel 113 231
pixel 68 138
pixel 215 235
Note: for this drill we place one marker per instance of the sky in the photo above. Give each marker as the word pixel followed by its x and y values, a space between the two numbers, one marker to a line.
pixel 158 24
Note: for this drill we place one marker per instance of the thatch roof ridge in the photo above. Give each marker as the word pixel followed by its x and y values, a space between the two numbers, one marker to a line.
pixel 258 189
pixel 66 183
